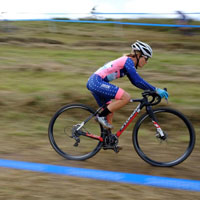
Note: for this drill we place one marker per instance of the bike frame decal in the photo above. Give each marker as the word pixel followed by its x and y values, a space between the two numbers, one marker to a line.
pixel 158 128
pixel 129 120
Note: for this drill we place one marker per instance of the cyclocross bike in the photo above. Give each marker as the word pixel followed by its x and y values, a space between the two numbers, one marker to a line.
pixel 162 137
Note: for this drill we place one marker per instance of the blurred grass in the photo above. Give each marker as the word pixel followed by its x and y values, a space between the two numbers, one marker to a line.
pixel 45 65
pixel 40 75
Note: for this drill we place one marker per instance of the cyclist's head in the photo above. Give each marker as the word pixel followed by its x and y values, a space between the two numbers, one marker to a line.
pixel 142 47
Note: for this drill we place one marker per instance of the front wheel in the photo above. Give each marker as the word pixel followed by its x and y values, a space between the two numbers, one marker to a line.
pixel 171 150
pixel 68 139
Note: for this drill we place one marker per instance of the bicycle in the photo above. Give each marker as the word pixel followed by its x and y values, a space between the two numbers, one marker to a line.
pixel 162 137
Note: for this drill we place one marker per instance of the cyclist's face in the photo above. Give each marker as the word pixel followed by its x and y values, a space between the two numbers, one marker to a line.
pixel 142 61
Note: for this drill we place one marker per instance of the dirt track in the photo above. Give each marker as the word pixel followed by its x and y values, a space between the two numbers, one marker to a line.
pixel 31 185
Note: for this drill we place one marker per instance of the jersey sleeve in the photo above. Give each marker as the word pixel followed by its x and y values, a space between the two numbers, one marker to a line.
pixel 135 78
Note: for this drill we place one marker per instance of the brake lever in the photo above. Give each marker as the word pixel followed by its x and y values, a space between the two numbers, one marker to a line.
pixel 166 99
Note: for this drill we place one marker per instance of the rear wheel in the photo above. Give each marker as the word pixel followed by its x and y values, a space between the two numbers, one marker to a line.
pixel 169 151
pixel 65 138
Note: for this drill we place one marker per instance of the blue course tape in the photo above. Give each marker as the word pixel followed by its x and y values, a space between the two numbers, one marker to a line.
pixel 110 13
pixel 109 22
pixel 146 180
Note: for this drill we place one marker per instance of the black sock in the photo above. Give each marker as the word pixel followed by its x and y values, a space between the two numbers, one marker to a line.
pixel 104 113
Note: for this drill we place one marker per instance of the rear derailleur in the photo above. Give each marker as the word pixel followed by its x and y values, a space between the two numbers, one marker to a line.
pixel 75 134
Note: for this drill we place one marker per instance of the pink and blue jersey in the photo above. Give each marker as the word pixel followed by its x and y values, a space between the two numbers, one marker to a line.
pixel 99 82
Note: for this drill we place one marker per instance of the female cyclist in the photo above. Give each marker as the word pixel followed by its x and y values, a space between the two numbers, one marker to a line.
pixel 103 91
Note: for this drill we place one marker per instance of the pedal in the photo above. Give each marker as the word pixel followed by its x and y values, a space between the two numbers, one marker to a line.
pixel 117 149
pixel 107 147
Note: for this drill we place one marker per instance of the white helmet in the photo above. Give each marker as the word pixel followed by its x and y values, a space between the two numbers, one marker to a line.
pixel 144 48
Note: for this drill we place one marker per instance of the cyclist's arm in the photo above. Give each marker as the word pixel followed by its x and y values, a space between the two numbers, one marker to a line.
pixel 135 78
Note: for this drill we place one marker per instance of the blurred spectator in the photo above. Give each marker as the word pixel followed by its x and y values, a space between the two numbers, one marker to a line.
pixel 94 16
pixel 184 20
pixel 93 10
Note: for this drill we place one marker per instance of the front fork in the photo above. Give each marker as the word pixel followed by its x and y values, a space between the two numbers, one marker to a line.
pixel 155 122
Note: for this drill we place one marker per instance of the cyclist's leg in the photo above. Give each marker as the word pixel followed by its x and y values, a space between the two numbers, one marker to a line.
pixel 102 101
pixel 99 99
pixel 122 98
pixel 104 92
pixel 110 117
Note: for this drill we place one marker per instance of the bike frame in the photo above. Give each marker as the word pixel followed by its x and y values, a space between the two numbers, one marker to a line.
pixel 129 120
pixel 143 103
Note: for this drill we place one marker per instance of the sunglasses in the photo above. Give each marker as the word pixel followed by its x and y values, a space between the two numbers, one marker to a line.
pixel 146 58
